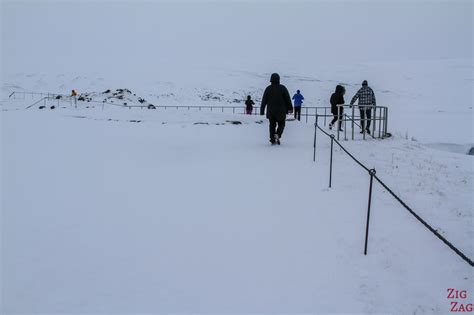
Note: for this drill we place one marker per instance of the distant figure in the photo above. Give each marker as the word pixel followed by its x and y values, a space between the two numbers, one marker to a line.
pixel 249 105
pixel 74 96
pixel 337 98
pixel 298 101
pixel 277 98
pixel 366 98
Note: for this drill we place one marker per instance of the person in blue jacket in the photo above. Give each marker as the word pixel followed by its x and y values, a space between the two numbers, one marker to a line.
pixel 298 101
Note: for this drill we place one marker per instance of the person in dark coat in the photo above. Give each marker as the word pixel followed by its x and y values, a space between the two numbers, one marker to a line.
pixel 337 98
pixel 249 105
pixel 276 99
pixel 298 101
pixel 367 100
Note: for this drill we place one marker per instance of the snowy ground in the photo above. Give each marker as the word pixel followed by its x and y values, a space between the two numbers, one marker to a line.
pixel 104 214
pixel 430 100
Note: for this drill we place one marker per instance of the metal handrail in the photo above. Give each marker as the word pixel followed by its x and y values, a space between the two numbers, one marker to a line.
pixel 380 113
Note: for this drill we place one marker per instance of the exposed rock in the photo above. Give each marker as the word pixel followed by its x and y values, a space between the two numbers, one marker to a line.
pixel 234 122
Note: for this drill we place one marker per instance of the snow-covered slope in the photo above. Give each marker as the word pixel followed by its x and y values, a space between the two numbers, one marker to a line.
pixel 141 211
pixel 430 101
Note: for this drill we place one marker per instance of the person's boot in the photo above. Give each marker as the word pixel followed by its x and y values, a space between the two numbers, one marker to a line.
pixel 330 126
pixel 368 131
pixel 277 139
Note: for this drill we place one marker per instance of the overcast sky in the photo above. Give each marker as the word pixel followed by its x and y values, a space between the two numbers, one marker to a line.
pixel 144 36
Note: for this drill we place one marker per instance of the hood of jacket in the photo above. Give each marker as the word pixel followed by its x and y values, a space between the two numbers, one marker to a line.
pixel 339 89
pixel 275 78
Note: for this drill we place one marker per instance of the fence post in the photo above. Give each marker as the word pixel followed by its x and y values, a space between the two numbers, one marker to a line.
pixel 306 113
pixel 380 122
pixel 371 173
pixel 345 127
pixel 339 123
pixel 374 121
pixel 330 162
pixel 314 143
pixel 324 116
pixel 352 122
pixel 364 123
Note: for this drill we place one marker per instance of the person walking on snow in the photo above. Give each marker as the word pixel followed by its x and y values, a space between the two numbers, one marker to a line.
pixel 74 96
pixel 249 105
pixel 337 98
pixel 298 101
pixel 276 99
pixel 366 98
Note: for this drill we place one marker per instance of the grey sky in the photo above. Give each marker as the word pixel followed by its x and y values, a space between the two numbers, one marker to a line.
pixel 144 36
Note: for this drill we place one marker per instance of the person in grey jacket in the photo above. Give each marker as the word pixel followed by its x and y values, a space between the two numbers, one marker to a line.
pixel 276 99
pixel 367 100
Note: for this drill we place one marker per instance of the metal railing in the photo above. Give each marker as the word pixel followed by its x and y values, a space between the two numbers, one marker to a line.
pixel 373 175
pixel 347 113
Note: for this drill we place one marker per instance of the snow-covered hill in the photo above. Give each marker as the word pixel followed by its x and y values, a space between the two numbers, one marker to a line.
pixel 427 100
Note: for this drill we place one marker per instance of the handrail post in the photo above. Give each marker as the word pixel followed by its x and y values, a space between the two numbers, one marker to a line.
pixel 345 127
pixel 338 121
pixel 314 143
pixel 373 122
pixel 330 162
pixel 325 116
pixel 306 113
pixel 364 122
pixel 380 122
pixel 352 122
pixel 371 173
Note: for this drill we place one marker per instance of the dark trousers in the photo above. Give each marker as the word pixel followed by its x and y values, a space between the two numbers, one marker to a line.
pixel 297 112
pixel 365 114
pixel 249 111
pixel 336 118
pixel 274 129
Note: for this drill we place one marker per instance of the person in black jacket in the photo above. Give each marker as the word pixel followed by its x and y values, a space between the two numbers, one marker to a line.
pixel 249 105
pixel 278 102
pixel 337 98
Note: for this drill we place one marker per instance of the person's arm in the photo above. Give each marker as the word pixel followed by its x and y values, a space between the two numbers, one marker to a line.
pixel 286 96
pixel 332 100
pixel 354 99
pixel 252 103
pixel 373 97
pixel 264 102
